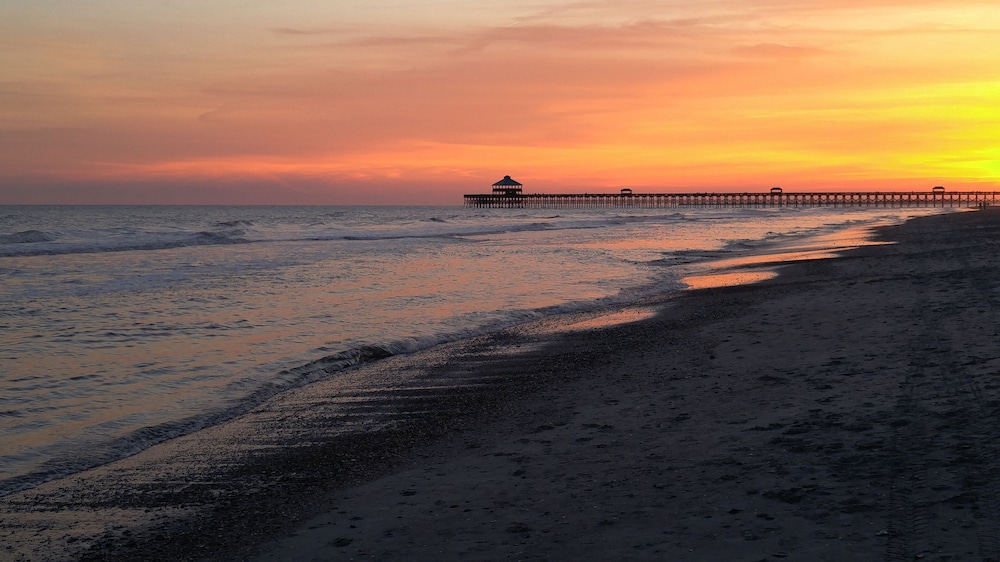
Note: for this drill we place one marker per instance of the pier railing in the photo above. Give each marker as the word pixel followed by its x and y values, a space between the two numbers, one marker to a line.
pixel 969 199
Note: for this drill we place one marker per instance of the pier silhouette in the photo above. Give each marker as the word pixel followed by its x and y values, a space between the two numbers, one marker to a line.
pixel 508 193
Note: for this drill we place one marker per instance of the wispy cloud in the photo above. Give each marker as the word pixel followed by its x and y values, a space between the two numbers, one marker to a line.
pixel 777 51
pixel 309 31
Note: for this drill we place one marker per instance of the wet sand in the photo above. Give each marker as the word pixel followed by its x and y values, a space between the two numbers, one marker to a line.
pixel 846 409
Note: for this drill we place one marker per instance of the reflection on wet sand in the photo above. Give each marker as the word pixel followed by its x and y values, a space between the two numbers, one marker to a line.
pixel 612 319
pixel 728 279
pixel 758 267
pixel 581 321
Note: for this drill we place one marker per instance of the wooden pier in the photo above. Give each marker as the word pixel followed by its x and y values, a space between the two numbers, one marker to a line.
pixel 938 197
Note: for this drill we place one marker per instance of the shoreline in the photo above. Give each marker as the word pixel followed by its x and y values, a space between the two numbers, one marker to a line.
pixel 664 438
pixel 197 346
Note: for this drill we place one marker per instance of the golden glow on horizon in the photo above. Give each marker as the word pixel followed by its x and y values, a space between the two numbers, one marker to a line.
pixel 313 102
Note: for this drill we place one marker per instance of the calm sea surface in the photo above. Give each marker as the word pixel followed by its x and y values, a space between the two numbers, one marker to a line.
pixel 124 326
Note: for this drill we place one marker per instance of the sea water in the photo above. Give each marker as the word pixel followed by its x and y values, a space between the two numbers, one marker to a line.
pixel 121 327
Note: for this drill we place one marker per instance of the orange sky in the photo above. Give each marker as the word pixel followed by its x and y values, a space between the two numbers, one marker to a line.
pixel 419 101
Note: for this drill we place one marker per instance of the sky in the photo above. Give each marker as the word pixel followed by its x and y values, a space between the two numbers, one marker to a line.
pixel 421 101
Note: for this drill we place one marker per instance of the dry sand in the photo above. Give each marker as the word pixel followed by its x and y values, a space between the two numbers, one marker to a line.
pixel 844 410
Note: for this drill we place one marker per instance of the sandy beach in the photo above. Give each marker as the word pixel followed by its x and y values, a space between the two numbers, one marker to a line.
pixel 845 409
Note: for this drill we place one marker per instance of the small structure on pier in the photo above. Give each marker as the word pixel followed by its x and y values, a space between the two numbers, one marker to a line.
pixel 507 187
pixel 506 193
pixel 626 191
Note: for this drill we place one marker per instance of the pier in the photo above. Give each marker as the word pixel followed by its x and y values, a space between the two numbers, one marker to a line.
pixel 507 193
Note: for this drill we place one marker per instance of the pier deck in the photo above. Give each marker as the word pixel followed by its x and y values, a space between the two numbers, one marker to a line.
pixel 970 199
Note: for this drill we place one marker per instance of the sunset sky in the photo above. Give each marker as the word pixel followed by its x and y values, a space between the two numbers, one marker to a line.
pixel 420 101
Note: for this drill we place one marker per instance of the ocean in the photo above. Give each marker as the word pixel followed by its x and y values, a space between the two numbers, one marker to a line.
pixel 122 327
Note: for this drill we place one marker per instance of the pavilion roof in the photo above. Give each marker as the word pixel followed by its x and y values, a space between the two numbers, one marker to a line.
pixel 507 182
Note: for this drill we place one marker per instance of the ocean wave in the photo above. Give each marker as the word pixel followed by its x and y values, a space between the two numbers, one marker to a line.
pixel 85 455
pixel 27 237
pixel 90 455
pixel 214 238
pixel 47 245
pixel 241 231
pixel 462 232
